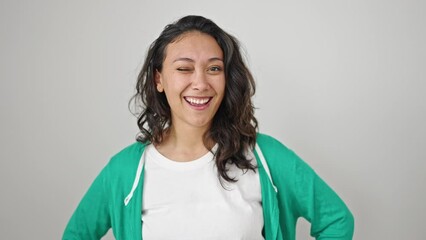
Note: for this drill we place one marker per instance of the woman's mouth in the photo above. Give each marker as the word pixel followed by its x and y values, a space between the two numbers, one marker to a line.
pixel 198 101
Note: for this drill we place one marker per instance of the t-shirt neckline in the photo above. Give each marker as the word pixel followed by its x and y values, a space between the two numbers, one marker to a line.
pixel 159 159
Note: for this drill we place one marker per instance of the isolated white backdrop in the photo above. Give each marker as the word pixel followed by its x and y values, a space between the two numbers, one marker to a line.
pixel 340 82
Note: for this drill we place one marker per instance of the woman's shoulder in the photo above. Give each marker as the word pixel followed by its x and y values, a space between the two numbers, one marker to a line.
pixel 277 154
pixel 271 145
pixel 128 157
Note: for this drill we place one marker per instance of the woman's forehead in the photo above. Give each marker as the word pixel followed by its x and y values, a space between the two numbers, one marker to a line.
pixel 193 46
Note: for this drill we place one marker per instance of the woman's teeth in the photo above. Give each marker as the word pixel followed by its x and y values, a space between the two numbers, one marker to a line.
pixel 197 101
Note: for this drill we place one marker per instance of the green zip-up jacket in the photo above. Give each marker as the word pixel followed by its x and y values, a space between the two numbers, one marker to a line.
pixel 290 189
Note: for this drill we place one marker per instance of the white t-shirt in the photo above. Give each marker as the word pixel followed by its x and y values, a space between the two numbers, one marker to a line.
pixel 185 200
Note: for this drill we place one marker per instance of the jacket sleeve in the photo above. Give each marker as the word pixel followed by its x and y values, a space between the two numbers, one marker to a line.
pixel 320 205
pixel 91 219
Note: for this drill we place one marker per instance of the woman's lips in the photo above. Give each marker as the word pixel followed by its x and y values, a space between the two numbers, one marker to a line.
pixel 198 102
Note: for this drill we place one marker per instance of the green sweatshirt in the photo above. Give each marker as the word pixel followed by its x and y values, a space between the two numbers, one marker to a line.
pixel 290 189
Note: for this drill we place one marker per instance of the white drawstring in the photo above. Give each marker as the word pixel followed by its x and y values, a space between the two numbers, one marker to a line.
pixel 136 182
pixel 265 166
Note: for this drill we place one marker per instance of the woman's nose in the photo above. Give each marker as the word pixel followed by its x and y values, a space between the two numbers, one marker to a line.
pixel 199 81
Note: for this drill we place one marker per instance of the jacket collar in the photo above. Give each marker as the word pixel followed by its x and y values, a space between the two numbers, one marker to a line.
pixel 269 197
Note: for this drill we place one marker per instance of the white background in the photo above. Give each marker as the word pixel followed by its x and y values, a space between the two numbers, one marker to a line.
pixel 340 82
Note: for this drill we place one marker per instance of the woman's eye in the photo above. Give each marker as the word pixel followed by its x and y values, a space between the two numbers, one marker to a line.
pixel 215 69
pixel 183 69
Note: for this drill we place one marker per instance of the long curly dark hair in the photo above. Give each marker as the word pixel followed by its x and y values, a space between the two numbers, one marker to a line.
pixel 233 127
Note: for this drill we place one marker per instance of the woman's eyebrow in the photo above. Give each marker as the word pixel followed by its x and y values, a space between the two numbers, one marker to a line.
pixel 184 59
pixel 215 59
pixel 192 60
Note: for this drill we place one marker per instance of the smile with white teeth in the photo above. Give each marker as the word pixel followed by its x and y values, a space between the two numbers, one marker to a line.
pixel 197 101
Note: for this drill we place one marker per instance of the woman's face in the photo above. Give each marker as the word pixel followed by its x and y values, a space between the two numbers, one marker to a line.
pixel 193 80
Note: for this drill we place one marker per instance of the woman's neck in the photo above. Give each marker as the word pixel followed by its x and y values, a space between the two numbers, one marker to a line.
pixel 182 145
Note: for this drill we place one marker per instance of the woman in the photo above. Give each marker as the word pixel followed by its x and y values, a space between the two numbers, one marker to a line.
pixel 199 169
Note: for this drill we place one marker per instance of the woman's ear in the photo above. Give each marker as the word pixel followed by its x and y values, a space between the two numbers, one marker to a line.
pixel 158 81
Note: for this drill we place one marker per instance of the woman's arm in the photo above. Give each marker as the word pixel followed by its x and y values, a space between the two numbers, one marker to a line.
pixel 330 218
pixel 91 219
pixel 302 193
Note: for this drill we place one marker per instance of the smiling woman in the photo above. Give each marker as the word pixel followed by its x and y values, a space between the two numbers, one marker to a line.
pixel 193 80
pixel 191 62
pixel 199 169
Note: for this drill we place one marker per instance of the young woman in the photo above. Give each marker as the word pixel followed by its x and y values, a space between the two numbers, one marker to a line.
pixel 199 169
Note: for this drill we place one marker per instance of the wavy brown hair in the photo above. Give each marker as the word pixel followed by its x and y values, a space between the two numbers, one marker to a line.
pixel 233 127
